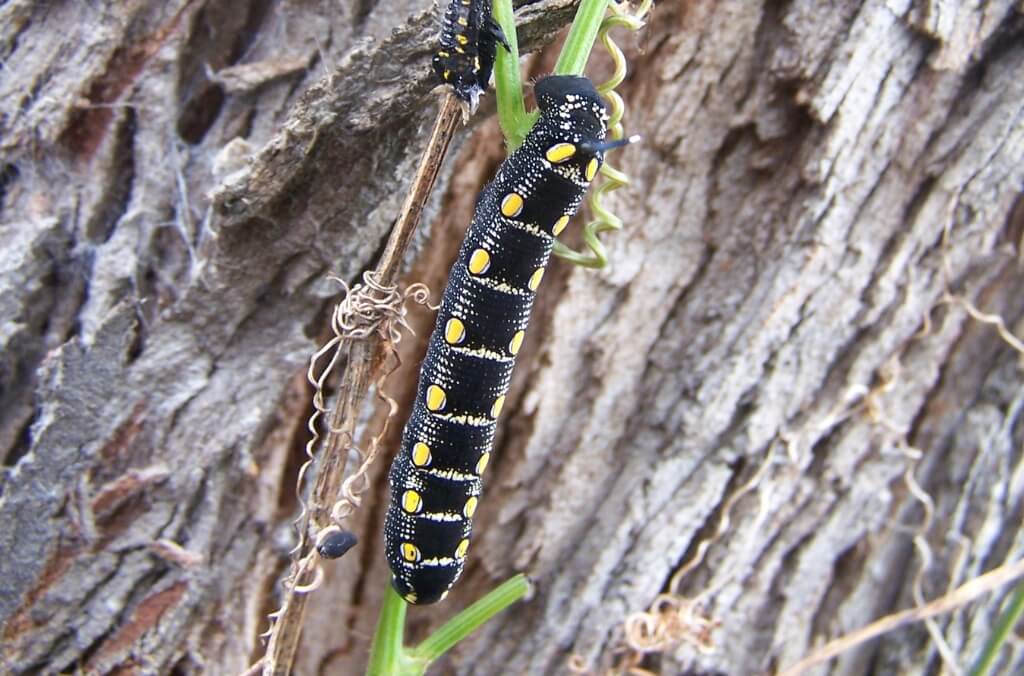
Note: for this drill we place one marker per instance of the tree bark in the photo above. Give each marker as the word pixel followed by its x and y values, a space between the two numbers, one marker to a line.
pixel 783 343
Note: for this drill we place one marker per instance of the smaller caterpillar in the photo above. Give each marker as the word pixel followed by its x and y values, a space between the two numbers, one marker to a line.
pixel 469 43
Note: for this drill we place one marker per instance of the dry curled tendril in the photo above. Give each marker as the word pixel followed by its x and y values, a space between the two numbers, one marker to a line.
pixel 367 308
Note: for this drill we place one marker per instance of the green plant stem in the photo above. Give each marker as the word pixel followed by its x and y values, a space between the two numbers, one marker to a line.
pixel 387 657
pixel 471 619
pixel 512 116
pixel 1007 621
pixel 582 36
pixel 508 83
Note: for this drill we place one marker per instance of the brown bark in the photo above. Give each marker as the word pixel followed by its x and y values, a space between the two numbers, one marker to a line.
pixel 817 194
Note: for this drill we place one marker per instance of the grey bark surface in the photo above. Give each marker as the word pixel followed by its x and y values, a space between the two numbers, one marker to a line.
pixel 816 195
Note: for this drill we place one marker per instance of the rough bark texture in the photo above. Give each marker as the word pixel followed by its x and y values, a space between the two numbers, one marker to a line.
pixel 814 187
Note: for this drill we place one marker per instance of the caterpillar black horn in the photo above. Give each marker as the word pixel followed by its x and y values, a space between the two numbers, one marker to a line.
pixel 605 146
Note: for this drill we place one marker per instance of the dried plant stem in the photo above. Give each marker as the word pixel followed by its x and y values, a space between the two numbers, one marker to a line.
pixel 448 116
pixel 364 360
pixel 960 596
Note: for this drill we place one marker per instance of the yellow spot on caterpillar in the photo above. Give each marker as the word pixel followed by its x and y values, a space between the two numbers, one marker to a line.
pixel 462 39
pixel 470 507
pixel 496 408
pixel 560 152
pixel 420 454
pixel 443 54
pixel 479 261
pixel 511 205
pixel 481 464
pixel 435 398
pixel 476 64
pixel 592 168
pixel 459 50
pixel 460 551
pixel 462 21
pixel 411 597
pixel 454 331
pixel 447 75
pixel 412 502
pixel 559 226
pixel 411 553
pixel 516 342
pixel 535 278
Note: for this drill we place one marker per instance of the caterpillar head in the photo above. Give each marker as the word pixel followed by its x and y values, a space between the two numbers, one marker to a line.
pixel 573 100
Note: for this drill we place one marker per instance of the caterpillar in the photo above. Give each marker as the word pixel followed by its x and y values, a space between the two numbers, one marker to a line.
pixel 435 479
pixel 468 44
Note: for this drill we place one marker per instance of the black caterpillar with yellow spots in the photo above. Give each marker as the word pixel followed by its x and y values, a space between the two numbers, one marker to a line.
pixel 435 479
pixel 469 42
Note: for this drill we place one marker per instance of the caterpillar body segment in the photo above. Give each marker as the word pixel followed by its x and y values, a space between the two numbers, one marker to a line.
pixel 468 44
pixel 435 479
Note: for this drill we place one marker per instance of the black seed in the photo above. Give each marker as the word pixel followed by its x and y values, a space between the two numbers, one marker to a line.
pixel 336 543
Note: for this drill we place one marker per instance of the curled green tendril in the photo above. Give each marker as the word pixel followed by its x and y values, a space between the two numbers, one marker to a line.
pixel 606 220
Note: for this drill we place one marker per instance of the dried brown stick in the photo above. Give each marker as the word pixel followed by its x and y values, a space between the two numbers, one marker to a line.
pixel 364 355
pixel 363 361
pixel 960 596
